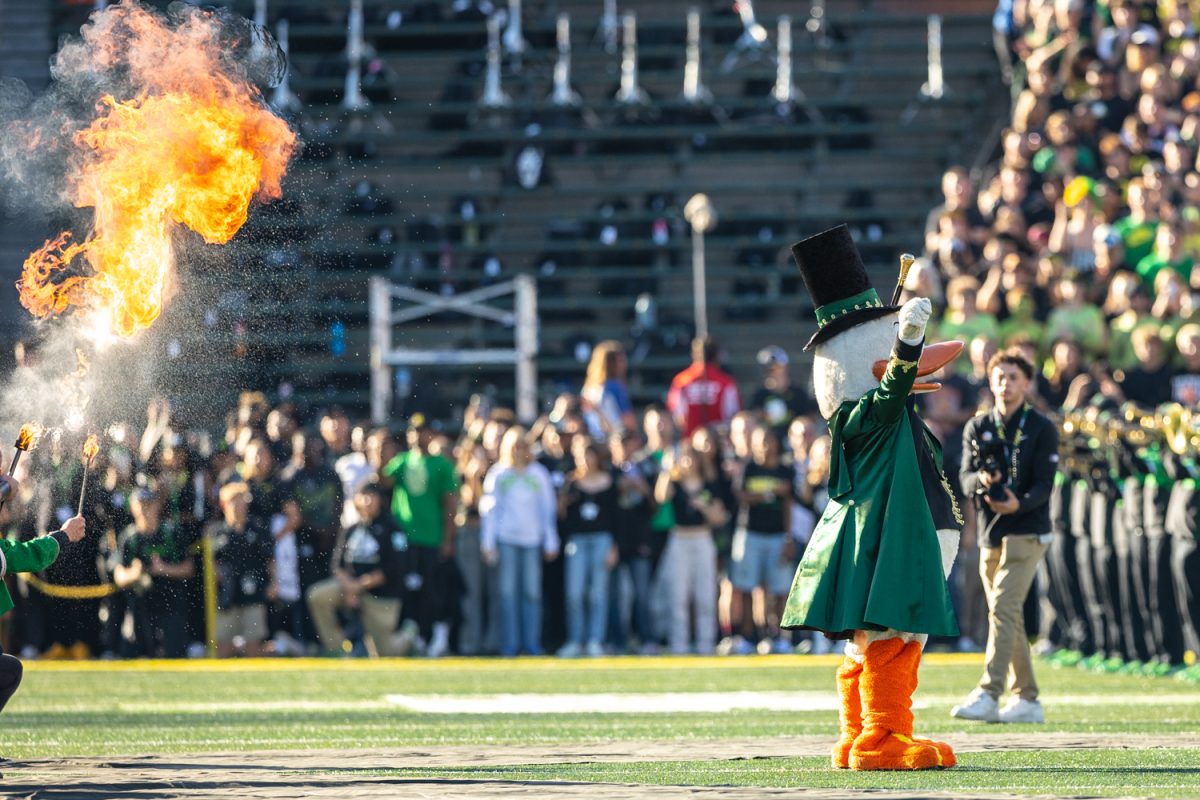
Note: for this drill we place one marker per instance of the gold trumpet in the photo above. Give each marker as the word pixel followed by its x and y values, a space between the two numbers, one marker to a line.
pixel 1178 427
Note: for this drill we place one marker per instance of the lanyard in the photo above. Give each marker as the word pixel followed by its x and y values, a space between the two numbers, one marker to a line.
pixel 1016 442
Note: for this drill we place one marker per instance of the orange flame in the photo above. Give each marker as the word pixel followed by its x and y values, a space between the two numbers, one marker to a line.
pixel 28 436
pixel 91 447
pixel 193 147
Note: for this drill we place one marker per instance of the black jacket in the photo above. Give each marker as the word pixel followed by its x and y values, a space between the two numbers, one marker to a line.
pixel 1037 461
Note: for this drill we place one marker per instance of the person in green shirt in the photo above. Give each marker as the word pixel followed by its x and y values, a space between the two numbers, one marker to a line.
pixel 1168 253
pixel 1137 229
pixel 1022 322
pixel 1073 319
pixel 963 320
pixel 32 556
pixel 424 503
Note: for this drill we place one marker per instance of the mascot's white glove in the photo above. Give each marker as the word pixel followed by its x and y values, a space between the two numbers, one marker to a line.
pixel 913 317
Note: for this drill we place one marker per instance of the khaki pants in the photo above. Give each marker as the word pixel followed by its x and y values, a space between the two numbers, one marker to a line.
pixel 1007 573
pixel 380 615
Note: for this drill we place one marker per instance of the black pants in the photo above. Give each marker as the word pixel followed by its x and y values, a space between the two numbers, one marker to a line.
pixel 1133 642
pixel 1185 567
pixel 1164 615
pixel 10 677
pixel 440 587
pixel 1104 568
pixel 1070 627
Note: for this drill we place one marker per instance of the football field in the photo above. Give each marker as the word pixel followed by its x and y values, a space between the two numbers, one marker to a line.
pixel 616 727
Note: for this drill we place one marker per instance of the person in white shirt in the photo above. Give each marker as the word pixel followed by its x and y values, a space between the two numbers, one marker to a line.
pixel 518 515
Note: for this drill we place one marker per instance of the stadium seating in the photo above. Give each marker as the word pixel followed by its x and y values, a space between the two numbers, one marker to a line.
pixel 423 186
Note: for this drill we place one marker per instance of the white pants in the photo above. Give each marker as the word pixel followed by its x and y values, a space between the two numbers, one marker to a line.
pixel 690 561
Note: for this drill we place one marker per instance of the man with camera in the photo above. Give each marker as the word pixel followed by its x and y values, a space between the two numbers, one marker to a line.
pixel 1008 467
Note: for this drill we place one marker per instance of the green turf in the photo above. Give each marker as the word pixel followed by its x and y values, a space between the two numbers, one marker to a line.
pixel 125 709
pixel 1168 774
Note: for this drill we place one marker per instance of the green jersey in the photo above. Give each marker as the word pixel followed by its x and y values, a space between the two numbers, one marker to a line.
pixel 421 481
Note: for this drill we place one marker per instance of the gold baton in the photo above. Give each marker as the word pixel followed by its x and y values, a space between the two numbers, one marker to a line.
pixel 906 262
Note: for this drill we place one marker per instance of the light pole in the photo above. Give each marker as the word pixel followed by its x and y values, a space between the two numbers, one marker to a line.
pixel 701 215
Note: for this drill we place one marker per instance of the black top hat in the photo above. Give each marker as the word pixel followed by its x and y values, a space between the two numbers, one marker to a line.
pixel 835 276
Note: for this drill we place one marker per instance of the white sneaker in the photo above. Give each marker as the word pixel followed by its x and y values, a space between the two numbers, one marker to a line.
pixel 979 706
pixel 439 642
pixel 1018 710
pixel 570 650
pixel 594 649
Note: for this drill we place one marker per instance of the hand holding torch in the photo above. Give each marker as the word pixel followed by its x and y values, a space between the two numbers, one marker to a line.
pixel 26 440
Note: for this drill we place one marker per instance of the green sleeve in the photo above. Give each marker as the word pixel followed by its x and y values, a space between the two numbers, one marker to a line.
pixel 392 467
pixel 31 556
pixel 891 397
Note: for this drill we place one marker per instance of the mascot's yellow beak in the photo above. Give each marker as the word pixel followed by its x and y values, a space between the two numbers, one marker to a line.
pixel 933 358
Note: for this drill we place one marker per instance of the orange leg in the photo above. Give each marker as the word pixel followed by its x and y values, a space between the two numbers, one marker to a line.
pixel 850 715
pixel 887 683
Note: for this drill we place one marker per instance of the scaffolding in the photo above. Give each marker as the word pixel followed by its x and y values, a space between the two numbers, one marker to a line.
pixel 385 356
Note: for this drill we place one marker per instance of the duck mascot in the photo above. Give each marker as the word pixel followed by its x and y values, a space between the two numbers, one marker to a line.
pixel 874 572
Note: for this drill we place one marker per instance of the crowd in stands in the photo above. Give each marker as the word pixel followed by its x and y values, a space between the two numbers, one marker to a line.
pixel 594 530
pixel 1079 245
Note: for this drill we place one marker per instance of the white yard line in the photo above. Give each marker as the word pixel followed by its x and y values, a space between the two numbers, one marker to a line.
pixel 606 703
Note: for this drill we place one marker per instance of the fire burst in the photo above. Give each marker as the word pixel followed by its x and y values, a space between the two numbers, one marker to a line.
pixel 192 146
pixel 27 437
pixel 90 448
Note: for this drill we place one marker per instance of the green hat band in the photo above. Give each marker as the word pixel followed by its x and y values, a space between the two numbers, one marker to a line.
pixel 840 308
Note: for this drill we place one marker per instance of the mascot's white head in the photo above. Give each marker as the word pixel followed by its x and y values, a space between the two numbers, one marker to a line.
pixel 842 365
pixel 856 331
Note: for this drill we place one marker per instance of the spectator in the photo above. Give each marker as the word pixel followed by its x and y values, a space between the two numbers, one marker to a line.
pixel 636 538
pixel 605 396
pixel 424 504
pixel 244 556
pixel 1072 319
pixel 963 320
pixel 1185 384
pixel 691 554
pixel 703 393
pixel 312 509
pixel 370 560
pixel 520 530
pixel 588 516
pixel 1148 383
pixel 479 629
pixel 777 401
pixel 152 571
pixel 1167 254
pixel 764 555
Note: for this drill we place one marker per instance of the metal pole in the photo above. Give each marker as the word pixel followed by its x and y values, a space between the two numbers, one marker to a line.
pixel 699 290
pixel 935 86
pixel 527 348
pixel 701 215
pixel 380 310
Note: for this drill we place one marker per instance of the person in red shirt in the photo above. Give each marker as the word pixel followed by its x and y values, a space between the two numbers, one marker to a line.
pixel 703 394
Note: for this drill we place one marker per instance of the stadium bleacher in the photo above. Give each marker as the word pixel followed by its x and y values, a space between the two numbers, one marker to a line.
pixel 423 186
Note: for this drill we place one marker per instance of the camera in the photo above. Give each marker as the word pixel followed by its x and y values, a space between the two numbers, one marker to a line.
pixel 991 454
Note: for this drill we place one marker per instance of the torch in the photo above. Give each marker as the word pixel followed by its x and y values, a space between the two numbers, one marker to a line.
pixel 26 439
pixel 90 448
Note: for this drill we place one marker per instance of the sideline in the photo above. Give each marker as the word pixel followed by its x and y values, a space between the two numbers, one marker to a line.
pixel 489 664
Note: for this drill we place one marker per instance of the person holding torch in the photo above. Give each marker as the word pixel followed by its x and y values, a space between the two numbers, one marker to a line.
pixel 32 556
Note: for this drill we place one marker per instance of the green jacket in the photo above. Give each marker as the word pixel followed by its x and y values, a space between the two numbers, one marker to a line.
pixel 873 561
pixel 31 556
